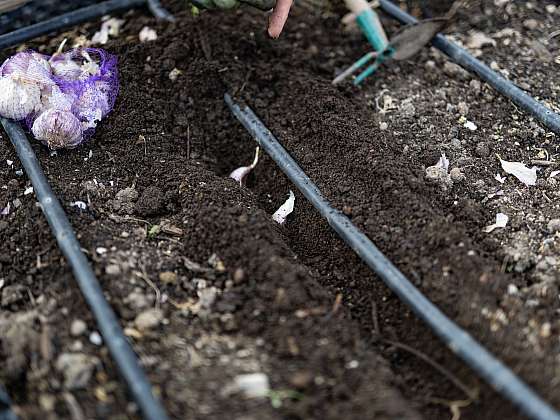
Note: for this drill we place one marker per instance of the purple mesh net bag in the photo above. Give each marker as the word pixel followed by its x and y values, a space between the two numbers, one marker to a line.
pixel 77 90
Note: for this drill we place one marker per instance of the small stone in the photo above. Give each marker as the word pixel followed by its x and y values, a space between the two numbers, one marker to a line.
pixel 148 319
pixel 457 175
pixel 550 8
pixel 95 338
pixel 463 108
pixel 438 175
pixel 12 294
pixel 482 150
pixel 47 402
pixel 407 108
pixel 113 270
pixel 239 276
pixel 174 74
pixel 137 300
pixel 553 226
pixel 77 369
pixel 531 24
pixel 475 86
pixel 455 71
pixel 456 144
pixel 78 327
pixel 207 297
pixel 168 277
pixel 383 126
pixel 546 329
pixel 512 289
pixel 302 379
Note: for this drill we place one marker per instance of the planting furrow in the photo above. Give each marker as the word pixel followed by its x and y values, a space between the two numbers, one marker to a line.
pixel 501 378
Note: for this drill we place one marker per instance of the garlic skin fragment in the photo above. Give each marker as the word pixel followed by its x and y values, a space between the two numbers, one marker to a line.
pixel 57 129
pixel 93 104
pixel 285 210
pixel 17 98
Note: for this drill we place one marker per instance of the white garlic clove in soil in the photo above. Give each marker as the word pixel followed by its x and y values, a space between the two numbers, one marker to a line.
pixel 17 98
pixel 58 129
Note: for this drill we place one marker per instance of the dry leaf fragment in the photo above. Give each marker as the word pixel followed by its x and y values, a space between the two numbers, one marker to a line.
pixel 501 222
pixel 500 179
pixel 527 176
pixel 285 209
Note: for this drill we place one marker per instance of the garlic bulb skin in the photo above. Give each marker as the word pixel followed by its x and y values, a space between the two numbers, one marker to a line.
pixel 57 129
pixel 29 67
pixel 93 103
pixel 17 98
pixel 65 68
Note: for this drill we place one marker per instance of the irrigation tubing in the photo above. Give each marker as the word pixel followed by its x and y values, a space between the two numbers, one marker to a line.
pixel 464 59
pixel 76 17
pixel 502 379
pixel 159 11
pixel 120 349
pixel 6 412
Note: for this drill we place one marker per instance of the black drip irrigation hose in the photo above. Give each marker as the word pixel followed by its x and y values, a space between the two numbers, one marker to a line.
pixel 500 377
pixel 464 59
pixel 120 349
pixel 6 412
pixel 76 17
pixel 159 11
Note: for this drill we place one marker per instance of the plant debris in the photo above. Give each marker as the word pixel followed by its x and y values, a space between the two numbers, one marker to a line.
pixel 285 209
pixel 501 222
pixel 527 176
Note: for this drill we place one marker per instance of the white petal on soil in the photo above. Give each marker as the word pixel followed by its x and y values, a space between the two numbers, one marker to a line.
pixel 528 176
pixel 443 162
pixel 470 125
pixel 500 179
pixel 554 173
pixel 285 209
pixel 501 222
pixel 240 173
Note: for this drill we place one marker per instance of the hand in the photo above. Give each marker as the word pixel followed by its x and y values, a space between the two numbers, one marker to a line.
pixel 279 17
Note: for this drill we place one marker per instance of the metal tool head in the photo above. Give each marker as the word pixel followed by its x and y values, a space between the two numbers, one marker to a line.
pixel 412 38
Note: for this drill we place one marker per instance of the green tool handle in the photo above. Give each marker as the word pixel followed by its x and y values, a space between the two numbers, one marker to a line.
pixel 369 23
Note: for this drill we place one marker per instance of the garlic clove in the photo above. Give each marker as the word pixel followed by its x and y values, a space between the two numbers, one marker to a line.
pixel 66 68
pixel 58 129
pixel 17 98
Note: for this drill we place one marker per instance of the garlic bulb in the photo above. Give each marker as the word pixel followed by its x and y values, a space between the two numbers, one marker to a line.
pixel 57 129
pixel 53 97
pixel 18 98
pixel 65 68
pixel 28 66
pixel 93 103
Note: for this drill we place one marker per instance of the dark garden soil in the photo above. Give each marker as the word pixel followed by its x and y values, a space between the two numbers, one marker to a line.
pixel 208 287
